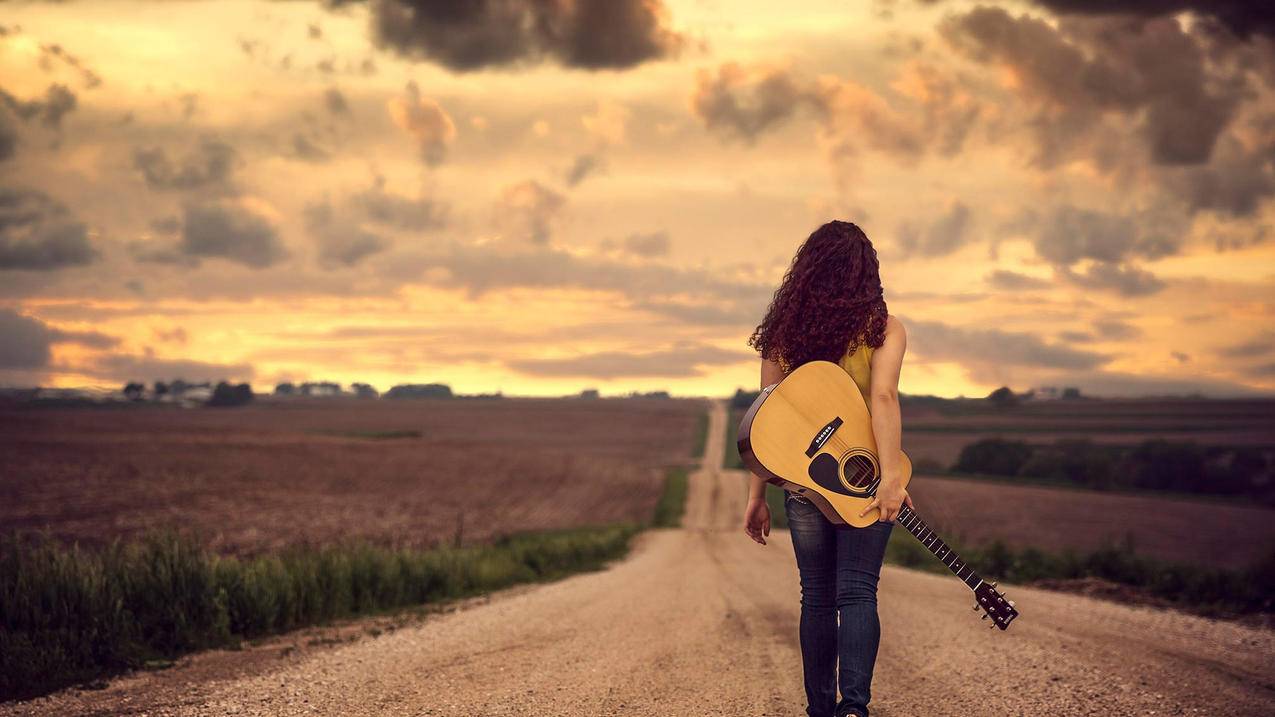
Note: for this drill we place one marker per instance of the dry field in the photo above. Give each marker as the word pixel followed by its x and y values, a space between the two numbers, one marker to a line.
pixel 975 512
pixel 409 472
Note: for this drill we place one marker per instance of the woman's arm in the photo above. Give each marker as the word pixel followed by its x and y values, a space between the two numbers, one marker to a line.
pixel 771 373
pixel 757 513
pixel 887 428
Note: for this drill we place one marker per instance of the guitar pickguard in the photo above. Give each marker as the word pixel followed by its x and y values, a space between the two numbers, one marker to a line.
pixel 854 475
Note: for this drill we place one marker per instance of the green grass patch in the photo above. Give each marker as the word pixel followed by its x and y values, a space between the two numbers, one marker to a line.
pixel 730 457
pixel 69 615
pixel 672 505
pixel 701 435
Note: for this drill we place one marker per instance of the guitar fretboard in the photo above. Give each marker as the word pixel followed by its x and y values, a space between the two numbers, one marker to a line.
pixel 910 520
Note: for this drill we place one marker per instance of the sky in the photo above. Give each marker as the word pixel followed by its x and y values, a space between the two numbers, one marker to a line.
pixel 537 198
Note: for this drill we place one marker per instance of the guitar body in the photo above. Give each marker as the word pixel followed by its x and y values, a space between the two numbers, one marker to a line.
pixel 812 433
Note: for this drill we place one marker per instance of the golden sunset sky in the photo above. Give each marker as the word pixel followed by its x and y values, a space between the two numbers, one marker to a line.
pixel 541 197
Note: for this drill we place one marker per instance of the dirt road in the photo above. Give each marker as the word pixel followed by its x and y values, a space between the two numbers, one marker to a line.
pixel 702 621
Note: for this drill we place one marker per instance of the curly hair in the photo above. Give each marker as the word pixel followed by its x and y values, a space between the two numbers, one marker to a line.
pixel 829 302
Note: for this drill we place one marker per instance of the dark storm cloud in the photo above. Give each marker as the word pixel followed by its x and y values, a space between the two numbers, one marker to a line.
pixel 211 163
pixel 1236 183
pixel 344 230
pixel 1123 279
pixel 1014 281
pixel 1245 18
pixel 25 341
pixel 38 233
pixel 937 341
pixel 1144 68
pixel 588 34
pixel 681 362
pixel 220 230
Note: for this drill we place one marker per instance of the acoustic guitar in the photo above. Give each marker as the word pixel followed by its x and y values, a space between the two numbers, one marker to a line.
pixel 811 433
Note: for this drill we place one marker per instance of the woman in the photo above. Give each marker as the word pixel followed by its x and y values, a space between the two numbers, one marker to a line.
pixel 830 307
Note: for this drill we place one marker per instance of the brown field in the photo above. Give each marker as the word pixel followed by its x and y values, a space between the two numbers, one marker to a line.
pixel 409 472
pixel 975 512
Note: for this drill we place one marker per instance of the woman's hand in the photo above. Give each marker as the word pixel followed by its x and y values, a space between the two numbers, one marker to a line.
pixel 890 498
pixel 757 519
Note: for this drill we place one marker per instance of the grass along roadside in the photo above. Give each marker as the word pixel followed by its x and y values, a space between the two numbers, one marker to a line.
pixel 70 614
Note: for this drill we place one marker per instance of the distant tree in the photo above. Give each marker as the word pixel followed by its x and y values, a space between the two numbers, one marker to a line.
pixel 1002 397
pixel 996 456
pixel 743 399
pixel 226 394
pixel 133 391
pixel 285 389
pixel 1071 392
pixel 363 390
pixel 589 393
pixel 420 390
pixel 1168 465
pixel 161 389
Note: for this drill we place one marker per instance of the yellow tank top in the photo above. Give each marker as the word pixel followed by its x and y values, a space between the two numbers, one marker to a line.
pixel 858 364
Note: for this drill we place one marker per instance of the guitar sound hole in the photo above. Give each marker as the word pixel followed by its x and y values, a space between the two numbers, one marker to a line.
pixel 859 472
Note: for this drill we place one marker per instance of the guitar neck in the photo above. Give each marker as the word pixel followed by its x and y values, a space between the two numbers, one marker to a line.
pixel 917 527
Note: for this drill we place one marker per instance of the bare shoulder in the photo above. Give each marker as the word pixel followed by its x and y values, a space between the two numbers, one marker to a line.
pixel 894 324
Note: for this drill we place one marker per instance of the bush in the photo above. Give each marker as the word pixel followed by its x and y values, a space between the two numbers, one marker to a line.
pixel 995 456
pixel 68 614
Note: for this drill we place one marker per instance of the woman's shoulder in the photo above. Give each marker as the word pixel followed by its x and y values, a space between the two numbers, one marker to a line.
pixel 893 323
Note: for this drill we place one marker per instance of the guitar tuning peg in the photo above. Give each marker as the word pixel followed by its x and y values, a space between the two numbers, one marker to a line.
pixel 975 608
pixel 992 626
pixel 993 583
pixel 1011 603
pixel 984 617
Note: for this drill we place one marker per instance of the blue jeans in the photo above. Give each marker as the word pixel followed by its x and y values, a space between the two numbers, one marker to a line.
pixel 839 567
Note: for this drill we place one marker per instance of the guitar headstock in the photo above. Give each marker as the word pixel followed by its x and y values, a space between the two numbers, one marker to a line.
pixel 994 605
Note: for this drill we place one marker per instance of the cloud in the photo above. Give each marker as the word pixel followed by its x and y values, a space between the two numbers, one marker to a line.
pixel 211 163
pixel 305 149
pixel 608 122
pixel 25 341
pixel 587 34
pixel 1245 18
pixel 1014 281
pixel 1122 278
pixel 685 360
pixel 398 211
pixel 38 233
pixel 650 244
pixel 583 166
pixel 528 210
pixel 945 235
pixel 1259 346
pixel 1150 70
pixel 1116 329
pixel 57 103
pixel 1236 183
pixel 335 102
pixel 236 231
pixel 937 341
pixel 51 52
pixel 743 102
pixel 342 242
pixel 147 369
pixel 425 121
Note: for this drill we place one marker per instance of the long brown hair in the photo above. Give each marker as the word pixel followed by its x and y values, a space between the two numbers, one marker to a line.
pixel 830 297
